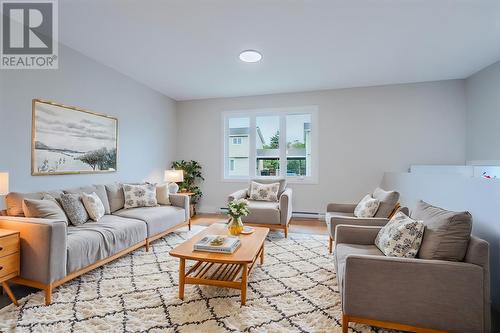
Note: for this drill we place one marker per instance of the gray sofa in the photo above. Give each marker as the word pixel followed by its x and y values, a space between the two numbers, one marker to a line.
pixel 344 213
pixel 274 215
pixel 438 293
pixel 53 252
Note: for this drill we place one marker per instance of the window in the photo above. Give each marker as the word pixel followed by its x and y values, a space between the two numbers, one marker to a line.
pixel 237 152
pixel 271 143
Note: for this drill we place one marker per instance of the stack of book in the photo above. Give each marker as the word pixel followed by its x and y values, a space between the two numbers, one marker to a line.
pixel 218 244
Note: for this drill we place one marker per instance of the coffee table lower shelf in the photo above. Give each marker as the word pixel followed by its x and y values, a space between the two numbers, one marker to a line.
pixel 227 275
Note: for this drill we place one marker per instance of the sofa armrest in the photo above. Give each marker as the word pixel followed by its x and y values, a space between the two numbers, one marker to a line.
pixel 285 201
pixel 240 194
pixel 340 208
pixel 182 201
pixel 43 247
pixel 354 234
pixel 333 221
pixel 436 294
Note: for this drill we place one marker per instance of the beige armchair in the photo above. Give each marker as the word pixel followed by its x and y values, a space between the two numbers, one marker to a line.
pixel 344 213
pixel 274 215
pixel 411 294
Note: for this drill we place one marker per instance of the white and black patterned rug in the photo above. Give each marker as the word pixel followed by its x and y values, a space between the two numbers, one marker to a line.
pixel 294 291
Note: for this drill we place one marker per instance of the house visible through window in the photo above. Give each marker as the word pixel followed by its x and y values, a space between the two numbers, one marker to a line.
pixel 271 143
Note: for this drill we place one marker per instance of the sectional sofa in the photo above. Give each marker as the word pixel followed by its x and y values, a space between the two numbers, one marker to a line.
pixel 53 252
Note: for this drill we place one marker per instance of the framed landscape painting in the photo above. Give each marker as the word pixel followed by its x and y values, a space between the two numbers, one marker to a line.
pixel 69 140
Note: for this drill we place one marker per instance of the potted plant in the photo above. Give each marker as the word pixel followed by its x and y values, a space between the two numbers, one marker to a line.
pixel 192 179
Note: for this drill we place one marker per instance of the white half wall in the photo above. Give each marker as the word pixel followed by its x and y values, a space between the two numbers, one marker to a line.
pixel 146 120
pixel 454 192
pixel 363 132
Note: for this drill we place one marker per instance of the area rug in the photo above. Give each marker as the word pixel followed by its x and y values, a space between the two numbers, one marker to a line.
pixel 294 291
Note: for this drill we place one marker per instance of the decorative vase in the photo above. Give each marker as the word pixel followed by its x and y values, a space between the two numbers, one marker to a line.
pixel 235 226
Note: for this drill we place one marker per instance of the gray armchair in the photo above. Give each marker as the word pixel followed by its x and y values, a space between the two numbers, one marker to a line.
pixel 344 213
pixel 274 215
pixel 412 294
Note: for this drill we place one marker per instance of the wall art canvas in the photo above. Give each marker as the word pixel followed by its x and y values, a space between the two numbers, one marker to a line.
pixel 69 140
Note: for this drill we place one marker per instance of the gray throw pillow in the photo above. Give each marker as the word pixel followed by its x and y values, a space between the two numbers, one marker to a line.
pixel 44 209
pixel 447 233
pixel 115 196
pixel 388 201
pixel 74 208
pixel 100 190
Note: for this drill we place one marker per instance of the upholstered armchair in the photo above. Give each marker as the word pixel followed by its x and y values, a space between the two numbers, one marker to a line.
pixel 419 294
pixel 344 213
pixel 274 215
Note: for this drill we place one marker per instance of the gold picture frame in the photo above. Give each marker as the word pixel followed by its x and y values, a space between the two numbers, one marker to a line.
pixel 69 140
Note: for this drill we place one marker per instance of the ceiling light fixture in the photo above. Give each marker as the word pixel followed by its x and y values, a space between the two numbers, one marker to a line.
pixel 250 56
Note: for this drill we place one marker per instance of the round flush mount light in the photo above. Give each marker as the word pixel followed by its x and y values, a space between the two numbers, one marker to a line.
pixel 250 56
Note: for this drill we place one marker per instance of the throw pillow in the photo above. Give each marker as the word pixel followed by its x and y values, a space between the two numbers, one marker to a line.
pixel 264 192
pixel 447 233
pixel 400 237
pixel 143 195
pixel 74 208
pixel 93 205
pixel 162 194
pixel 44 209
pixel 367 207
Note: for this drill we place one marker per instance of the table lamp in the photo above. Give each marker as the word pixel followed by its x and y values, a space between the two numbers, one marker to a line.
pixel 172 177
pixel 4 183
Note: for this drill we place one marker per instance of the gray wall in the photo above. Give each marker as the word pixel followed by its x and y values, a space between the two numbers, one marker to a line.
pixel 483 114
pixel 146 120
pixel 476 195
pixel 363 132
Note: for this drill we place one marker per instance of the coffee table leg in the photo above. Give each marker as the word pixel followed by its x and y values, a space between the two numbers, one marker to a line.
pixel 262 255
pixel 244 284
pixel 182 276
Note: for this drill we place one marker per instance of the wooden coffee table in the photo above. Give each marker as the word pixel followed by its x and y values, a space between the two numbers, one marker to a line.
pixel 218 269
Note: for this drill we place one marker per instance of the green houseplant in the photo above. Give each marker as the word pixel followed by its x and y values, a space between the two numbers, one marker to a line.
pixel 192 178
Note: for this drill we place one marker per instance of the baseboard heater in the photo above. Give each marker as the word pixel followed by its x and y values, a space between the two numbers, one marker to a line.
pixel 306 215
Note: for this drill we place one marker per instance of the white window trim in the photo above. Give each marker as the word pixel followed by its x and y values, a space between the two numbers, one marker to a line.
pixel 282 112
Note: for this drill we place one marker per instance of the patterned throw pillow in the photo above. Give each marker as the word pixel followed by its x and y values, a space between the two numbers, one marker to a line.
pixel 264 192
pixel 94 205
pixel 74 208
pixel 367 207
pixel 400 237
pixel 143 195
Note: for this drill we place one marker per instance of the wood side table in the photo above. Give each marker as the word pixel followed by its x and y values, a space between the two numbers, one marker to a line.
pixel 9 259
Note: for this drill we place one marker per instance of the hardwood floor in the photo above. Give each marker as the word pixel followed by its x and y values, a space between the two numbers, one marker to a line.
pixel 308 226
pixel 300 225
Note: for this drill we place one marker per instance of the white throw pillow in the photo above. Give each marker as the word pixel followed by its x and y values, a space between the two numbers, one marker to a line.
pixel 93 205
pixel 162 196
pixel 367 207
pixel 264 192
pixel 400 237
pixel 143 195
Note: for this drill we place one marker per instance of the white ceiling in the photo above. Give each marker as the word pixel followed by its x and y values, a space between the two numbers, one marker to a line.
pixel 188 49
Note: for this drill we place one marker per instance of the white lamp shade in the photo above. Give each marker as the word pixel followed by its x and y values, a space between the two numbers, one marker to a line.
pixel 4 183
pixel 174 176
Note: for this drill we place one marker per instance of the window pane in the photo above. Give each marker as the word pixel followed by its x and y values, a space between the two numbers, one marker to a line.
pixel 267 145
pixel 298 145
pixel 238 147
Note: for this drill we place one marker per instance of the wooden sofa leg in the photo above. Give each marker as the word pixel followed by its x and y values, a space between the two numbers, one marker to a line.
pixel 345 323
pixel 48 294
pixel 147 244
pixel 189 224
pixel 330 244
pixel 286 231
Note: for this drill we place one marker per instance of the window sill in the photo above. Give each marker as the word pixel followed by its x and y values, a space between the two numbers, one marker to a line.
pixel 290 180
